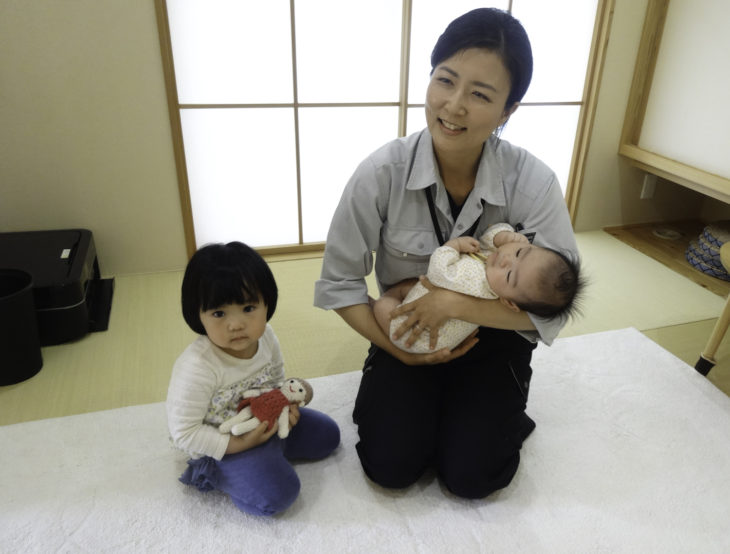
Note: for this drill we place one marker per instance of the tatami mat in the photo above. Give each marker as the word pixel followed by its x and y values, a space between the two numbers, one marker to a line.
pixel 628 289
pixel 130 363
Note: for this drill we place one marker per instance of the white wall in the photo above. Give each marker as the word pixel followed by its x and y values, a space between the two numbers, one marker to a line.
pixel 611 186
pixel 84 133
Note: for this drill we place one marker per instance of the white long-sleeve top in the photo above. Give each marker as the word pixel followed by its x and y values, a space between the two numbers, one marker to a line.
pixel 206 386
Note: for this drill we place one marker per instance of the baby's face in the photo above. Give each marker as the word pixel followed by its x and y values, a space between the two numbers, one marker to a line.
pixel 513 271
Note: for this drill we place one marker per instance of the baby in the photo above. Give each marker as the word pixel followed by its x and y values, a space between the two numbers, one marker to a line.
pixel 502 264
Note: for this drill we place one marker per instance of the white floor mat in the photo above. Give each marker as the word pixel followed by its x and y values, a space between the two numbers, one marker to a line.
pixel 631 454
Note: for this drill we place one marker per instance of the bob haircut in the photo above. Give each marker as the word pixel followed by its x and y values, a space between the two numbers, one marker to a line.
pixel 494 30
pixel 220 274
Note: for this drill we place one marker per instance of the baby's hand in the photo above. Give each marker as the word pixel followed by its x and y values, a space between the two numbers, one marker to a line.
pixel 464 245
pixel 503 237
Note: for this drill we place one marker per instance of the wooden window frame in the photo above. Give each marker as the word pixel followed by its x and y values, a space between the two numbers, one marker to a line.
pixel 580 149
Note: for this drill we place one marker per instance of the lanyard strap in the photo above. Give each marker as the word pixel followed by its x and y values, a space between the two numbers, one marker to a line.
pixel 434 220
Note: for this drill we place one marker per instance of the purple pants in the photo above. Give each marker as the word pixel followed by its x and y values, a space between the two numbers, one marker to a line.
pixel 262 481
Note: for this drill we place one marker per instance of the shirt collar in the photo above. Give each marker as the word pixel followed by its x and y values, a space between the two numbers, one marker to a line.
pixel 490 181
pixel 488 186
pixel 424 172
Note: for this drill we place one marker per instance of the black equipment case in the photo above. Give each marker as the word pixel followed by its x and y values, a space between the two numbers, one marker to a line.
pixel 71 298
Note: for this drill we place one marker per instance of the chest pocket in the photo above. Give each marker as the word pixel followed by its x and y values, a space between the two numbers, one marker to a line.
pixel 409 245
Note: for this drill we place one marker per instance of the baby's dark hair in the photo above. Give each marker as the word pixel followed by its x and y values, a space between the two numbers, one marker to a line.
pixel 561 285
pixel 220 274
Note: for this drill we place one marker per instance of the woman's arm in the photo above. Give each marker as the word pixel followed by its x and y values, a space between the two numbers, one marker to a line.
pixel 360 317
pixel 486 313
pixel 433 309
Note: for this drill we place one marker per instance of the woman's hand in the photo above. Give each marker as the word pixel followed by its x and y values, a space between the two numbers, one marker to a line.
pixel 360 317
pixel 434 308
pixel 438 357
pixel 425 315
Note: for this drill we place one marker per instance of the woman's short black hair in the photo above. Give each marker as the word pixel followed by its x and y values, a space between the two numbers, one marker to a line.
pixel 494 30
pixel 219 274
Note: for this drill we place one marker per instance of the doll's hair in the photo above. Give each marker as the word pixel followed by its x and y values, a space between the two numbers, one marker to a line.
pixel 561 286
pixel 219 274
pixel 497 31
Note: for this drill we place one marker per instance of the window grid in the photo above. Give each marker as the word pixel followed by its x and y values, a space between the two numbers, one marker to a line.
pixel 401 104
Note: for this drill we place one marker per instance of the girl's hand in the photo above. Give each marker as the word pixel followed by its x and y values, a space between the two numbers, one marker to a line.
pixel 294 415
pixel 252 439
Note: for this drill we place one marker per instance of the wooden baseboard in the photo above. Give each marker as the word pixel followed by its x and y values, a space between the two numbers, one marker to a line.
pixel 666 242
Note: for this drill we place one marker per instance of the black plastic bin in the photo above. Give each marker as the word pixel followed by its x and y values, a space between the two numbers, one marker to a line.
pixel 20 349
pixel 70 296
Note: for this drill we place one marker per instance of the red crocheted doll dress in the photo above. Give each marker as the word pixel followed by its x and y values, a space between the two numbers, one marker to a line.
pixel 266 407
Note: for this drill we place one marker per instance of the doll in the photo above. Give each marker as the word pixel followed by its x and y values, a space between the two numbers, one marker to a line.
pixel 269 405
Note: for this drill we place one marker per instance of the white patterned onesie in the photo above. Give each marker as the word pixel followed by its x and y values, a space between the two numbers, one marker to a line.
pixel 451 270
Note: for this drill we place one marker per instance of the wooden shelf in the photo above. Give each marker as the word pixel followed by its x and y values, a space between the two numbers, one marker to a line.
pixel 667 243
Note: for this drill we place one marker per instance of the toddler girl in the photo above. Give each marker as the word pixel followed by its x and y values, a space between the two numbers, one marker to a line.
pixel 228 296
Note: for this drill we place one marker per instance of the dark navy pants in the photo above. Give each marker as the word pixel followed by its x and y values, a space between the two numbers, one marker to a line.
pixel 466 418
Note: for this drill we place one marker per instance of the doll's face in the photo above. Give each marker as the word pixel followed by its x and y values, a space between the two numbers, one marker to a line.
pixel 295 391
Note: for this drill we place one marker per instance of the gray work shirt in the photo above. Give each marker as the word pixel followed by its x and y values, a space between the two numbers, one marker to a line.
pixel 383 209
